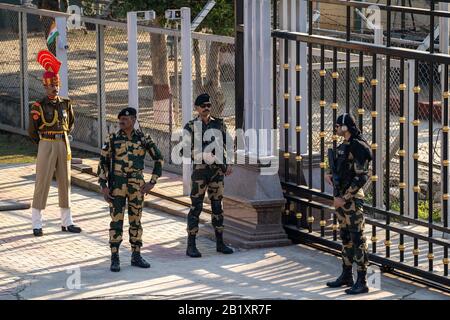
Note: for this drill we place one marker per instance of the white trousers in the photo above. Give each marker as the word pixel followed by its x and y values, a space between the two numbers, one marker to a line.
pixel 36 217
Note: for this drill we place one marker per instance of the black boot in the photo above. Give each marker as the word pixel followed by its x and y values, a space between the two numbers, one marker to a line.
pixel 191 250
pixel 138 261
pixel 72 228
pixel 345 279
pixel 221 246
pixel 115 262
pixel 360 285
pixel 38 232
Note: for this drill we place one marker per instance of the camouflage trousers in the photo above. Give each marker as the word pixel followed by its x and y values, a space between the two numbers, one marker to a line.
pixel 126 190
pixel 351 225
pixel 206 178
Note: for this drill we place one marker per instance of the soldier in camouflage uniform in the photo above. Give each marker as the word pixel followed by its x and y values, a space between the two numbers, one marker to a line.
pixel 54 5
pixel 208 172
pixel 352 166
pixel 121 166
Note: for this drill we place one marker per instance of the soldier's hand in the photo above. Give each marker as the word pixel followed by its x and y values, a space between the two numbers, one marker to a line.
pixel 209 157
pixel 106 195
pixel 338 202
pixel 229 170
pixel 146 188
pixel 329 179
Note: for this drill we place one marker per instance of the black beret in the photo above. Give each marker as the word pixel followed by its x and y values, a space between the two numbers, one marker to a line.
pixel 127 112
pixel 346 119
pixel 202 99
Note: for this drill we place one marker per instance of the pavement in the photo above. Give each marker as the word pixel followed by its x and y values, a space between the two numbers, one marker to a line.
pixel 76 266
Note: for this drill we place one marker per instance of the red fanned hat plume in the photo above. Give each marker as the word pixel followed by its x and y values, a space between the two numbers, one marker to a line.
pixel 51 65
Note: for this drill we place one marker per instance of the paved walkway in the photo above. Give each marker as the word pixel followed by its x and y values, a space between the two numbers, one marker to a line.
pixel 47 267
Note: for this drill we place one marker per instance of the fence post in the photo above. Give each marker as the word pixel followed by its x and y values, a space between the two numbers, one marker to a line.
pixel 133 90
pixel 293 25
pixel 186 82
pixel 380 121
pixel 265 59
pixel 239 65
pixel 61 53
pixel 410 138
pixel 444 49
pixel 302 13
pixel 23 35
pixel 101 97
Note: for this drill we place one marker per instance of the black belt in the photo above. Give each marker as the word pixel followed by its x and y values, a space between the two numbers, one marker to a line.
pixel 51 136
pixel 136 174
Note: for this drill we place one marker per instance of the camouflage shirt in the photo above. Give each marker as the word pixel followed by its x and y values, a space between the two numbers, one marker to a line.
pixel 50 116
pixel 221 138
pixel 129 155
pixel 353 158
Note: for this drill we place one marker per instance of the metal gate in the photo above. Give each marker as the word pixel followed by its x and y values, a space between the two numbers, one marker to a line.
pixel 399 97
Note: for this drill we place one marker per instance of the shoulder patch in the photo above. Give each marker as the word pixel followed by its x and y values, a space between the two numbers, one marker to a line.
pixel 36 104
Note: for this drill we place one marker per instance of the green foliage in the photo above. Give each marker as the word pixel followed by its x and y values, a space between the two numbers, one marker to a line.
pixel 422 208
pixel 423 211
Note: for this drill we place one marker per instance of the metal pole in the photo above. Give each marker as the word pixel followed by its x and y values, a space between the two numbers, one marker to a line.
pixel 283 24
pixel 292 78
pixel 101 97
pixel 186 82
pixel 444 44
pixel 61 54
pixel 23 34
pixel 302 27
pixel 380 121
pixel 410 139
pixel 265 65
pixel 239 65
pixel 133 90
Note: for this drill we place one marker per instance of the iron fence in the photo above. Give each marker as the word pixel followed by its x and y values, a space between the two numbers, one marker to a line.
pixel 399 102
pixel 98 75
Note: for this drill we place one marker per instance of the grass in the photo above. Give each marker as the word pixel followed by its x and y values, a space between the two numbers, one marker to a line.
pixel 422 208
pixel 15 148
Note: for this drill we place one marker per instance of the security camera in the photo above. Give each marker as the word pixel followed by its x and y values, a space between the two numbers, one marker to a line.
pixel 145 15
pixel 173 14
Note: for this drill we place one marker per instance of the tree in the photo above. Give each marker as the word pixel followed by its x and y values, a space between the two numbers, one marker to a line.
pixel 219 21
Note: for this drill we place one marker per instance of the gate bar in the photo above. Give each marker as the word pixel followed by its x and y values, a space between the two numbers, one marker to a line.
pixel 412 10
pixel 359 46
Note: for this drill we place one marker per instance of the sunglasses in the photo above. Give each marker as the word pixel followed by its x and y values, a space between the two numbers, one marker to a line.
pixel 206 105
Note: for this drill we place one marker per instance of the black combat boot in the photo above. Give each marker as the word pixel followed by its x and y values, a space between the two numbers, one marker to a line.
pixel 115 262
pixel 138 261
pixel 38 232
pixel 345 279
pixel 72 228
pixel 360 285
pixel 221 246
pixel 191 250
